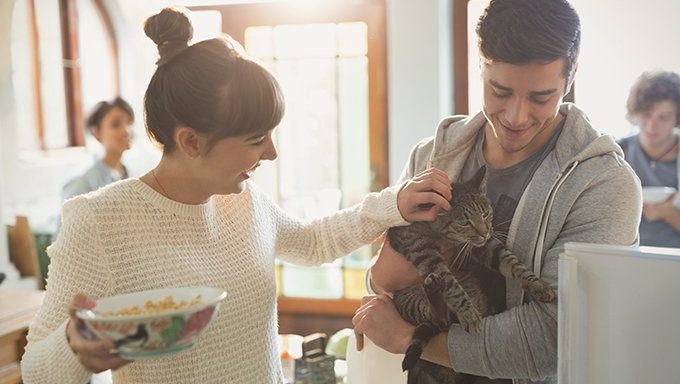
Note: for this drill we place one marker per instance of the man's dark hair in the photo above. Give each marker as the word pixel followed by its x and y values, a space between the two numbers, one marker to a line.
pixel 653 87
pixel 530 31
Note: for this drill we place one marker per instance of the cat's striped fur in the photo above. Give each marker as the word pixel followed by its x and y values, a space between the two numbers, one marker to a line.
pixel 449 254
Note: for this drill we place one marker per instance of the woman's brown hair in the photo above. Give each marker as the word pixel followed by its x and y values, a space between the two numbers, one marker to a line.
pixel 210 86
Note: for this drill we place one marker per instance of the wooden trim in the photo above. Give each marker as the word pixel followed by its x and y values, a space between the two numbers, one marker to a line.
pixel 111 37
pixel 236 18
pixel 377 96
pixel 69 38
pixel 460 57
pixel 35 73
pixel 328 307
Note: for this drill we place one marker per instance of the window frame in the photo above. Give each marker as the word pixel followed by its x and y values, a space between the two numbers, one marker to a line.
pixel 70 66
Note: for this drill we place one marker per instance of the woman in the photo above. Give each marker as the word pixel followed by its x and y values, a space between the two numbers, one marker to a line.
pixel 196 219
pixel 654 106
pixel 110 124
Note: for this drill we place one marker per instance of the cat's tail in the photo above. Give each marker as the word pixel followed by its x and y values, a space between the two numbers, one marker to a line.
pixel 421 336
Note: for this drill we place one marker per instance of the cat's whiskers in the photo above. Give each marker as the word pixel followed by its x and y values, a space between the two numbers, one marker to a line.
pixel 457 262
pixel 468 253
pixel 502 223
pixel 500 236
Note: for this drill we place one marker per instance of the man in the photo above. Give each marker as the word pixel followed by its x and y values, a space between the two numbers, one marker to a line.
pixel 552 179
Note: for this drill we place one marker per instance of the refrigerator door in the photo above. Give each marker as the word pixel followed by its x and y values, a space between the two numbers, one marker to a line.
pixel 619 315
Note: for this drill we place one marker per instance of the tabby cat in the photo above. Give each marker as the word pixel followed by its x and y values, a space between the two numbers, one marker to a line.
pixel 452 254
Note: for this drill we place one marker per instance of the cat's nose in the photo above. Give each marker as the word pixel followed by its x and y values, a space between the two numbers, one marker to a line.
pixel 482 230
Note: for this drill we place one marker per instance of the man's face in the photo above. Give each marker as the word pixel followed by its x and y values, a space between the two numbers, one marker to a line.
pixel 521 103
pixel 657 123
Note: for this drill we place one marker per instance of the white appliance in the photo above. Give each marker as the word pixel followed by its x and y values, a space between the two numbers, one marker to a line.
pixel 373 365
pixel 619 315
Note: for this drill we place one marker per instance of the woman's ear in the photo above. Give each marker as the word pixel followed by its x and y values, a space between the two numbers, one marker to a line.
pixel 189 141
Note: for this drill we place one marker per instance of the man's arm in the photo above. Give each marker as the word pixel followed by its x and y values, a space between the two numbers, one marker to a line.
pixel 665 211
pixel 673 219
pixel 391 271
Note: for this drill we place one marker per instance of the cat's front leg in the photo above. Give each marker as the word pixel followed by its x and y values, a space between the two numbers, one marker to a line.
pixel 538 289
pixel 457 300
pixel 453 294
pixel 500 258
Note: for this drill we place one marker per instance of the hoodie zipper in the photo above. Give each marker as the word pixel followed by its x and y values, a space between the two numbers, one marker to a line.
pixel 538 248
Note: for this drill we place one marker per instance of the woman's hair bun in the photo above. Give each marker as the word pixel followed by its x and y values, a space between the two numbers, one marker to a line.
pixel 171 30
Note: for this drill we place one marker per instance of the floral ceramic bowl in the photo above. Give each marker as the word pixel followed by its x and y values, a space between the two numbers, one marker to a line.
pixel 153 323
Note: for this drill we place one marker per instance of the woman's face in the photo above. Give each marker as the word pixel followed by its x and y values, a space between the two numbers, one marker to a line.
pixel 114 131
pixel 232 161
pixel 657 123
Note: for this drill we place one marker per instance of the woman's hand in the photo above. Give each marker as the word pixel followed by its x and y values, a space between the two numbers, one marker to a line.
pixel 425 195
pixel 378 319
pixel 94 354
pixel 658 211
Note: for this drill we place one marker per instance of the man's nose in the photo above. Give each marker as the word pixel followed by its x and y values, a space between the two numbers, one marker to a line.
pixel 517 114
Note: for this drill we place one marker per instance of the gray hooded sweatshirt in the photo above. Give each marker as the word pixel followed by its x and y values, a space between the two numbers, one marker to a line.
pixel 582 192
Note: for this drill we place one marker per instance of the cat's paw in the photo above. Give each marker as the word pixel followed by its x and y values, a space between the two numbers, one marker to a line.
pixel 469 319
pixel 541 291
pixel 433 283
pixel 411 357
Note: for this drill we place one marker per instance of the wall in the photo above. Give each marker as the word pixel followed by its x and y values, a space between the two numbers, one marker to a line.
pixel 419 73
pixel 621 40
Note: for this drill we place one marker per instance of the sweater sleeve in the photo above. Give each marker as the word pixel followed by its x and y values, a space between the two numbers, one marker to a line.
pixel 76 266
pixel 322 240
pixel 522 341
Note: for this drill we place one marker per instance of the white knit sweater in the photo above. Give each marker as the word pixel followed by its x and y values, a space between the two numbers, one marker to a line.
pixel 127 237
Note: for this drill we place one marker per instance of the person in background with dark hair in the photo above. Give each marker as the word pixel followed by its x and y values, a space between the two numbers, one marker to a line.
pixel 552 179
pixel 654 106
pixel 197 220
pixel 109 123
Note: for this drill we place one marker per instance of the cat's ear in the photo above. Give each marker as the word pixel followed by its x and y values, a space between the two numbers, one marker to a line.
pixel 479 179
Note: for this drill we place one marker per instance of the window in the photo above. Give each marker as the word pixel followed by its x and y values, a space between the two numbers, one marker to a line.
pixel 330 62
pixel 46 39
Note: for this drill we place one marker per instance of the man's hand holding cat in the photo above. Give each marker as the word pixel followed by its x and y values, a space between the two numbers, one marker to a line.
pixel 425 195
pixel 378 319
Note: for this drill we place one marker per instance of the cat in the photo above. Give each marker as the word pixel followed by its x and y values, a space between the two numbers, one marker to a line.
pixel 452 254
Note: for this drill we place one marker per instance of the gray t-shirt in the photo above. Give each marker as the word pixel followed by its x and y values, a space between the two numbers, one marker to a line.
pixel 665 174
pixel 504 188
